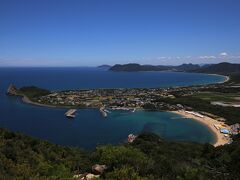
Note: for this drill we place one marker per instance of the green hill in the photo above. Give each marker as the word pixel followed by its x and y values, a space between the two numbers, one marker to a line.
pixel 137 67
pixel 221 68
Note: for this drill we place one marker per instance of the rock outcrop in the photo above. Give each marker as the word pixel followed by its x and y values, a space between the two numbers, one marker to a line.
pixel 12 90
pixel 98 169
pixel 86 176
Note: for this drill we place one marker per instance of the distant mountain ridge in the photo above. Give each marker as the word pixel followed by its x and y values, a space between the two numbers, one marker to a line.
pixel 221 68
pixel 138 67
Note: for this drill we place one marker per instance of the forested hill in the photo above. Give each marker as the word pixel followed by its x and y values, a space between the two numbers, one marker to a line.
pixel 148 157
pixel 138 67
pixel 221 68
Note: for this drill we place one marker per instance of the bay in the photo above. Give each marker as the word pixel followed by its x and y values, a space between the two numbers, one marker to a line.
pixel 89 128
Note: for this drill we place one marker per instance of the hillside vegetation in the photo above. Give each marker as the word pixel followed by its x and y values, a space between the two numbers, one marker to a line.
pixel 137 67
pixel 33 91
pixel 148 157
pixel 221 68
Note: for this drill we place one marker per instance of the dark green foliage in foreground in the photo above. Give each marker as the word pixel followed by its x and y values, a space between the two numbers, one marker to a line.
pixel 33 92
pixel 149 157
pixel 23 156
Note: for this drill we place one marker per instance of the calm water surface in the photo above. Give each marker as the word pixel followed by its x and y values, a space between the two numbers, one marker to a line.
pixel 89 128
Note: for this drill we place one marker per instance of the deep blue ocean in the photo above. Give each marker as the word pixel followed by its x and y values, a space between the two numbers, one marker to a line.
pixel 89 128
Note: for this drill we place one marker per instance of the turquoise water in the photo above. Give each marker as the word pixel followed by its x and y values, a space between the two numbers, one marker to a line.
pixel 167 125
pixel 89 128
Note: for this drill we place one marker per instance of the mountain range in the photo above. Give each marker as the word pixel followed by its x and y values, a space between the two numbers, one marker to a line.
pixel 224 68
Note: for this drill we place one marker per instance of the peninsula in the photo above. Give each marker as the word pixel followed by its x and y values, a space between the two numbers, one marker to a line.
pixel 194 99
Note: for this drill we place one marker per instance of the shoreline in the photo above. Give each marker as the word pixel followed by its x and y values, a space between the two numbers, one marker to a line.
pixel 26 100
pixel 227 78
pixel 220 139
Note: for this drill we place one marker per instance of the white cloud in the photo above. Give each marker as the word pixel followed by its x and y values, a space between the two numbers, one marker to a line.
pixel 221 57
pixel 223 54
pixel 161 57
pixel 207 57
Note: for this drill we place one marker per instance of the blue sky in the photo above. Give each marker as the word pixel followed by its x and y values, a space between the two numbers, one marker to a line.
pixel 95 32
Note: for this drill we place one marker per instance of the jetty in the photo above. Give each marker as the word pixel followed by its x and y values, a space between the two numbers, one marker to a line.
pixel 103 111
pixel 70 113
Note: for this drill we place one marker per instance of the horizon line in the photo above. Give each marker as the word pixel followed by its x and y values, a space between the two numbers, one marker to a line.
pixel 92 66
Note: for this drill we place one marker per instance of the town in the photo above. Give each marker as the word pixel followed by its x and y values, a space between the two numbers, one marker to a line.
pixel 214 104
pixel 124 98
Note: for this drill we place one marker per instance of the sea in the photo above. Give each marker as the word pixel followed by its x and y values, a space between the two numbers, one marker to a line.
pixel 89 128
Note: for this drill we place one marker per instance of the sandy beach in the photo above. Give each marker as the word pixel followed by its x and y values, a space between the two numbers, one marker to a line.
pixel 209 122
pixel 227 78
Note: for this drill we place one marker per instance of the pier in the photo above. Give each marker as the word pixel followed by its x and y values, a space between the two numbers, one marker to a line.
pixel 70 113
pixel 103 111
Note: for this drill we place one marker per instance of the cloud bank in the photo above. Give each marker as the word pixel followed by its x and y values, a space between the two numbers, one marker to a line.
pixel 160 60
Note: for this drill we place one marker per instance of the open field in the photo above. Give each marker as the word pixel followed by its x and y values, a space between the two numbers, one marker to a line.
pixel 217 96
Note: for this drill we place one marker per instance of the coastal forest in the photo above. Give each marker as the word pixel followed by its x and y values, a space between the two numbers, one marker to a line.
pixel 148 157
